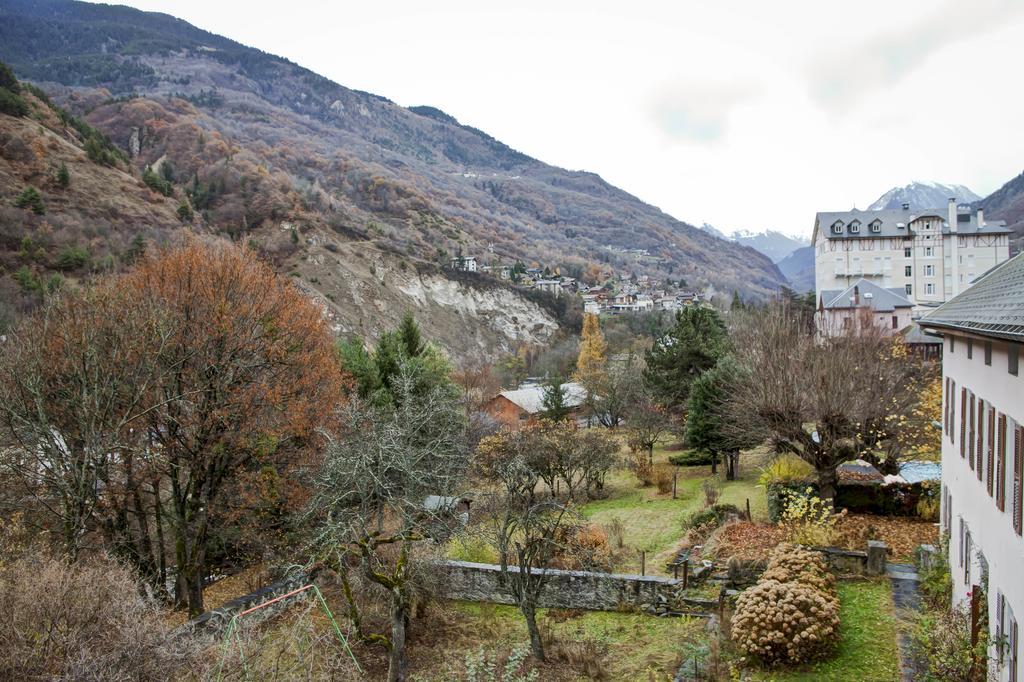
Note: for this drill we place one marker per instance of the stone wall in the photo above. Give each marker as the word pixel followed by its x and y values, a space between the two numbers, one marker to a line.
pixel 217 619
pixel 564 589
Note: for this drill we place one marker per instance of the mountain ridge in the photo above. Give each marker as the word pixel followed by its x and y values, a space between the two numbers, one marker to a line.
pixel 428 183
pixel 923 194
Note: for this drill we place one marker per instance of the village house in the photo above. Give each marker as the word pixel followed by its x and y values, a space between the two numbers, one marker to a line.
pixel 983 453
pixel 464 263
pixel 861 306
pixel 552 286
pixel 511 408
pixel 931 255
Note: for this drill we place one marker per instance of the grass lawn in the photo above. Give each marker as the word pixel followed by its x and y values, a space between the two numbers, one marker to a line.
pixel 653 522
pixel 867 640
pixel 627 646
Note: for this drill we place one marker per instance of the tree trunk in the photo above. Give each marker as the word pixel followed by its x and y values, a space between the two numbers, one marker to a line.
pixel 731 465
pixel 536 645
pixel 827 480
pixel 714 463
pixel 399 625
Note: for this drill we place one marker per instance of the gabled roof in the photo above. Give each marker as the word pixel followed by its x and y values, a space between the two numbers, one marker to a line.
pixel 993 306
pixel 871 295
pixel 895 222
pixel 531 399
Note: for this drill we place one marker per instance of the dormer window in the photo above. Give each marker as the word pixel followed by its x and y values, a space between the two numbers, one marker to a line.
pixel 855 227
pixel 837 227
pixel 876 225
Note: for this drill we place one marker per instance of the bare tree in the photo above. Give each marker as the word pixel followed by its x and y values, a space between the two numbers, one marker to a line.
pixel 647 421
pixel 527 530
pixel 371 500
pixel 814 398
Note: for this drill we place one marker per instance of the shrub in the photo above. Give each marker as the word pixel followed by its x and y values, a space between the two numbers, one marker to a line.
pixel 156 183
pixel 790 563
pixel 616 532
pixel 808 520
pixel 641 466
pixel 942 638
pixel 31 199
pixel 928 508
pixel 471 548
pixel 663 475
pixel 712 491
pixel 72 258
pixel 63 175
pixel 716 514
pixel 936 580
pixel 82 621
pixel 482 666
pixel 786 470
pixel 785 622
pixel 691 458
pixel 12 104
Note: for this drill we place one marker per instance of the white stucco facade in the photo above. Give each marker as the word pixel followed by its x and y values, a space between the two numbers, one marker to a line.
pixel 930 255
pixel 977 516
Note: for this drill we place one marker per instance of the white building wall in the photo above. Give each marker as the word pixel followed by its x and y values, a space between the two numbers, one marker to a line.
pixel 991 530
pixel 838 263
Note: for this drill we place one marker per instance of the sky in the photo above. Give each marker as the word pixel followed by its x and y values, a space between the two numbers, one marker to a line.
pixel 744 114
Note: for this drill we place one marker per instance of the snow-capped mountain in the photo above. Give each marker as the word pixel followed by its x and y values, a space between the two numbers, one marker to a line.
pixel 923 195
pixel 771 243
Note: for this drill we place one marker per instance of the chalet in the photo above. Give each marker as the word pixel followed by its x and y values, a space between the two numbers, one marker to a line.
pixel 511 408
pixel 983 454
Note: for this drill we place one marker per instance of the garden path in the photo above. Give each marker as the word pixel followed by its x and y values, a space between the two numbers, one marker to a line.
pixel 906 598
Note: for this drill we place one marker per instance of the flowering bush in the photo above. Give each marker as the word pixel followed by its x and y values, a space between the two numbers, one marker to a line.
pixel 808 520
pixel 785 622
pixel 789 563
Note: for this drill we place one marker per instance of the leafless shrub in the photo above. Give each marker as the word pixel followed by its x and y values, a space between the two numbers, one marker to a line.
pixel 82 621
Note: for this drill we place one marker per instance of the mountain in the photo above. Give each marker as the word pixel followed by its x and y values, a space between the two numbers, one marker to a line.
pixel 102 215
pixel 775 245
pixel 923 195
pixel 268 152
pixel 1007 203
pixel 798 267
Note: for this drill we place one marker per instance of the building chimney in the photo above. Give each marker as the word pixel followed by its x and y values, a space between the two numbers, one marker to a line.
pixel 954 250
pixel 952 214
pixel 906 207
pixel 981 218
pixel 856 295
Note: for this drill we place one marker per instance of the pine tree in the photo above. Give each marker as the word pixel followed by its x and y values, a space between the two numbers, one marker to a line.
pixel 693 345
pixel 63 175
pixel 593 358
pixel 31 199
pixel 555 407
pixel 185 213
pixel 412 339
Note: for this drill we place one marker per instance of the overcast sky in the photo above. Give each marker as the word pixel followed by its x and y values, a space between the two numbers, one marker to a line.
pixel 744 114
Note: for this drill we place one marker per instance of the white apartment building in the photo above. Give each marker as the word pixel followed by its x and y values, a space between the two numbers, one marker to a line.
pixel 931 255
pixel 863 305
pixel 983 454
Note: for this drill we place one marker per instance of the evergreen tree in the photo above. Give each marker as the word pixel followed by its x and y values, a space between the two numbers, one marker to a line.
pixel 185 213
pixel 693 345
pixel 63 175
pixel 31 199
pixel 706 426
pixel 554 403
pixel 737 302
pixel 409 332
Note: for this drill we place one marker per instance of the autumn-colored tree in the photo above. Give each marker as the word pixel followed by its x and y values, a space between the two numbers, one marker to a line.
pixel 247 375
pixel 593 357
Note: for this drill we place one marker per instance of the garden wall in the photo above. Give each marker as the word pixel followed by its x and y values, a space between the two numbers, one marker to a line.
pixel 217 619
pixel 564 589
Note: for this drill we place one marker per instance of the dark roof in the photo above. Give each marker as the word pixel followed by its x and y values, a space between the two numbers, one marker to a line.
pixel 872 296
pixel 894 222
pixel 992 306
pixel 913 335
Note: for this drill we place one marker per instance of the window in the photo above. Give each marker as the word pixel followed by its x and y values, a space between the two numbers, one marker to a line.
pixel 906 252
pixel 929 271
pixel 1017 490
pixel 988 353
pixel 1007 632
pixel 837 227
pixel 1012 358
pixel 1001 462
pixel 970 348
pixel 906 271
pixel 876 226
pixel 952 343
pixel 895 322
pixel 929 251
pixel 929 288
pixel 855 227
pixel 908 289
